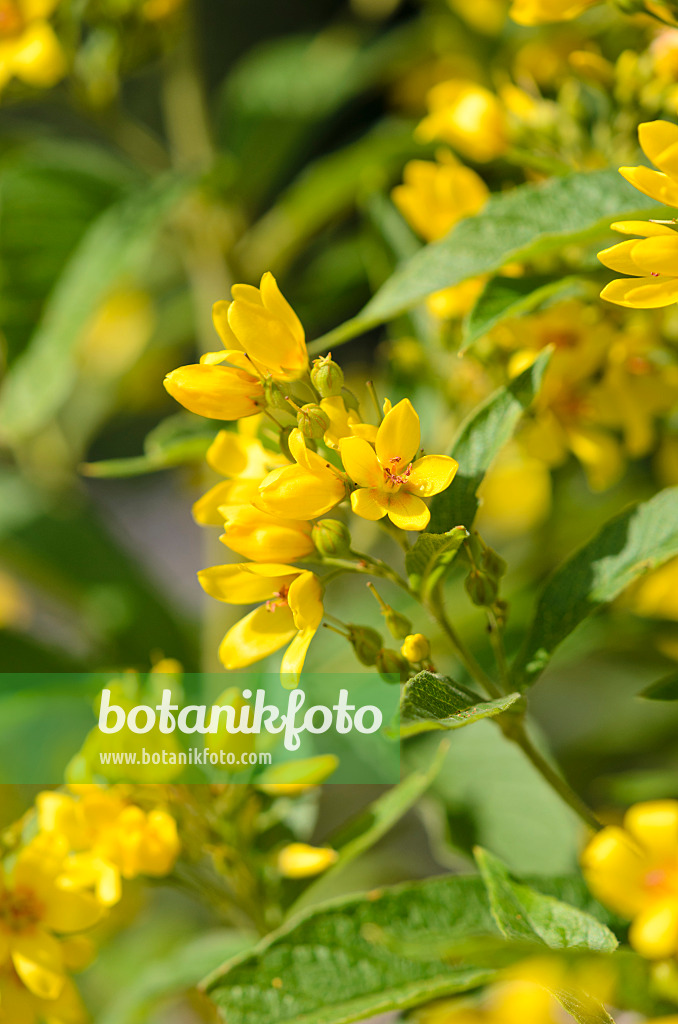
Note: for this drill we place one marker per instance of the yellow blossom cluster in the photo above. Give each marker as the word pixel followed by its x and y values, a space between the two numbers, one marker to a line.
pixel 61 882
pixel 269 501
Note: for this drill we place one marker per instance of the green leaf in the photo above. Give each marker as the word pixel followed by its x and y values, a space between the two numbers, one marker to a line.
pixel 523 914
pixel 517 225
pixel 178 440
pixel 665 688
pixel 431 701
pixel 114 246
pixel 583 1007
pixel 640 538
pixel 504 297
pixel 322 968
pixel 431 555
pixel 479 440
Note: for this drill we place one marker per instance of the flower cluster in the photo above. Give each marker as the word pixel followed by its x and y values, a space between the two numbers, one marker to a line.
pixel 321 454
pixel 61 882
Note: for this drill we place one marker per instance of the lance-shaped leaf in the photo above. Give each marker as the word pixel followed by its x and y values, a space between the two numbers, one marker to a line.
pixel 640 538
pixel 322 968
pixel 524 914
pixel 430 701
pixel 431 555
pixel 479 440
pixel 515 226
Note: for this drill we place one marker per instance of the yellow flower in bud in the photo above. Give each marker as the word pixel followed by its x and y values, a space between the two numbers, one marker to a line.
pixel 244 461
pixel 298 860
pixel 652 259
pixel 305 490
pixel 291 615
pixel 435 196
pixel 33 905
pixel 266 328
pixel 634 870
pixel 467 116
pixel 29 48
pixel 263 537
pixel 540 12
pixel 389 482
pixel 217 392
pixel 415 647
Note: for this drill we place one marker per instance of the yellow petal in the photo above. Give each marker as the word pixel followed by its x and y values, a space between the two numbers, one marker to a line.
pixel 257 635
pixel 276 303
pixel 38 58
pixel 67 912
pixel 659 142
pixel 654 825
pixel 230 492
pixel 263 537
pixel 644 228
pixel 615 868
pixel 398 437
pixel 268 339
pixel 431 475
pixel 305 600
pixel 298 860
pixel 294 657
pixel 222 327
pixel 17 1005
pixel 37 10
pixel 407 511
pixel 618 257
pixel 217 392
pixel 36 956
pixel 361 462
pixel 654 932
pixel 246 293
pixel 653 183
pixel 656 255
pixel 294 493
pixel 642 292
pixel 368 503
pixel 233 454
pixel 240 584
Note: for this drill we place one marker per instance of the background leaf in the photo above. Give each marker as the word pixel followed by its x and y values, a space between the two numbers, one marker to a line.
pixel 431 701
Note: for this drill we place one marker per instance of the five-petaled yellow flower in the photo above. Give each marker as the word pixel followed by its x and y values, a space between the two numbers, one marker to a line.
pixel 291 614
pixel 634 870
pixel 652 259
pixel 389 482
pixel 29 48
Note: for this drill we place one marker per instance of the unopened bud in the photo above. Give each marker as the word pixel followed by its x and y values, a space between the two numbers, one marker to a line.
pixel 350 401
pixel 481 588
pixel 493 564
pixel 398 625
pixel 299 860
pixel 331 538
pixel 327 377
pixel 275 396
pixel 312 421
pixel 366 643
pixel 415 647
pixel 389 664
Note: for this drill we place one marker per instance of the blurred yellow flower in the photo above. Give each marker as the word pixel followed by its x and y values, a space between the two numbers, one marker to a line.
pixel 29 48
pixel 655 595
pixel 18 1005
pixel 389 482
pixel 299 860
pixel 117 334
pixel 467 116
pixel 515 494
pixel 539 12
pixel 435 196
pixel 291 614
pixel 305 490
pixel 634 870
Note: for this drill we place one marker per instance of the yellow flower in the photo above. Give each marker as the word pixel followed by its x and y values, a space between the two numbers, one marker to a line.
pixel 415 647
pixel 291 614
pixel 539 12
pixel 655 595
pixel 29 48
pixel 299 860
pixel 435 196
pixel 305 490
pixel 33 906
pixel 634 870
pixel 263 537
pixel 515 495
pixel 457 300
pixel 244 461
pixel 389 482
pixel 19 1006
pixel 467 116
pixel 261 323
pixel 217 392
pixel 651 259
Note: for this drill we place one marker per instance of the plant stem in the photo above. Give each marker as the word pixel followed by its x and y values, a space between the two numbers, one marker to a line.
pixel 436 606
pixel 498 647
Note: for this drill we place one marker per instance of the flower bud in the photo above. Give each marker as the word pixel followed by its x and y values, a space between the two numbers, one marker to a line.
pixel 389 663
pixel 312 421
pixel 398 625
pixel 350 401
pixel 481 588
pixel 327 377
pixel 493 564
pixel 275 396
pixel 415 647
pixel 299 860
pixel 366 643
pixel 331 538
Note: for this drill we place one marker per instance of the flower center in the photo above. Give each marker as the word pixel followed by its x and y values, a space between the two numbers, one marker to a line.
pixel 19 909
pixel 11 21
pixel 662 881
pixel 278 600
pixel 393 478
